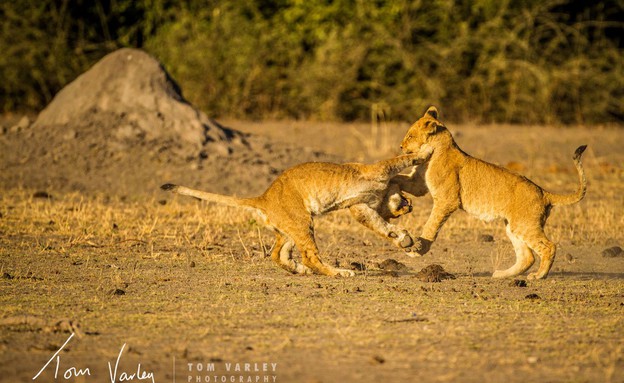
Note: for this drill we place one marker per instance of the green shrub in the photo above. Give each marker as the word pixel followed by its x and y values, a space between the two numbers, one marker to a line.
pixel 530 61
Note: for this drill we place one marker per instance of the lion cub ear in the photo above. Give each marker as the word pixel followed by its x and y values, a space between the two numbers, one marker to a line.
pixel 433 127
pixel 432 111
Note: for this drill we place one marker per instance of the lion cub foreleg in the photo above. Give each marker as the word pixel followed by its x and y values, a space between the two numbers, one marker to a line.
pixel 413 183
pixel 387 169
pixel 369 217
pixel 441 211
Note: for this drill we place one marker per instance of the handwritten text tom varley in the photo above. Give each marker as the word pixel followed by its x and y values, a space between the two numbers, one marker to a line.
pixel 64 372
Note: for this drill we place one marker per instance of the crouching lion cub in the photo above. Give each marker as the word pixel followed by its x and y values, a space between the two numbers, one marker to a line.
pixel 458 181
pixel 311 189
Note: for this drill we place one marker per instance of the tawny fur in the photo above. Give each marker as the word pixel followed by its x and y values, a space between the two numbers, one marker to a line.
pixel 458 181
pixel 299 194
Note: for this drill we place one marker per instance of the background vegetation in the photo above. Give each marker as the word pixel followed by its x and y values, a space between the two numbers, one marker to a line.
pixel 529 61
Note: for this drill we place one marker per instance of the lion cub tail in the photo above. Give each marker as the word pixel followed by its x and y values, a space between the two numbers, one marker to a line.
pixel 569 199
pixel 218 198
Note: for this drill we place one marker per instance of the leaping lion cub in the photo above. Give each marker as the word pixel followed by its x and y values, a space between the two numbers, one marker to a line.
pixel 458 181
pixel 311 189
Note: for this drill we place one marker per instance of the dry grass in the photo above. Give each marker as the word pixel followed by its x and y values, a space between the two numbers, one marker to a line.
pixel 197 286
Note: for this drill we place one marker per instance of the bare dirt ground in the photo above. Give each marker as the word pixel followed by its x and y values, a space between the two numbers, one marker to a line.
pixel 187 288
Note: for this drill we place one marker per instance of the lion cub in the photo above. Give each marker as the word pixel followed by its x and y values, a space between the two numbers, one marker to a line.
pixel 311 189
pixel 458 181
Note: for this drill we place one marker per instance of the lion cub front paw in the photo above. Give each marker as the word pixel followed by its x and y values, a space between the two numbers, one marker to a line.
pixel 410 252
pixel 421 246
pixel 402 239
pixel 345 273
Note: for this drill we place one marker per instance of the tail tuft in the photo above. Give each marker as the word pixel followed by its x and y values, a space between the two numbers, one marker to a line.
pixel 579 151
pixel 168 186
pixel 568 199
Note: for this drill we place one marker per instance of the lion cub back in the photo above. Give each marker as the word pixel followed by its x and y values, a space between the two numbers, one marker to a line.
pixel 321 187
pixel 489 191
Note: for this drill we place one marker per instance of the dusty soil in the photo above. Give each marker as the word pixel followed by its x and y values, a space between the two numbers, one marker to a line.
pixel 89 246
pixel 181 282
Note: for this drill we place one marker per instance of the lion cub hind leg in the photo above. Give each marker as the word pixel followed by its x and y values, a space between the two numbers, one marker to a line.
pixel 524 257
pixel 310 257
pixel 302 233
pixel 282 255
pixel 545 249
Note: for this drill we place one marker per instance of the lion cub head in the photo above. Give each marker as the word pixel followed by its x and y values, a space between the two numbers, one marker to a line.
pixel 399 204
pixel 427 131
